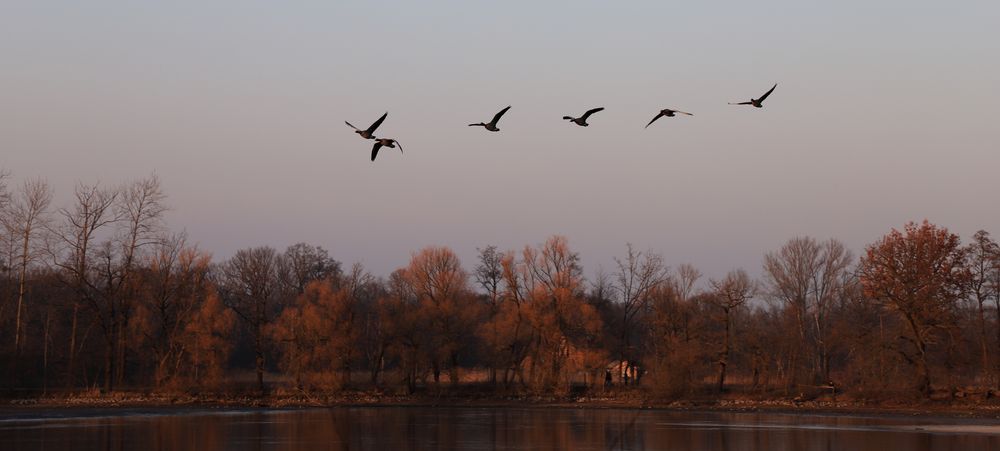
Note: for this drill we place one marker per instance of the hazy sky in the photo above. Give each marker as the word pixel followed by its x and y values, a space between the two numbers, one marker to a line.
pixel 885 112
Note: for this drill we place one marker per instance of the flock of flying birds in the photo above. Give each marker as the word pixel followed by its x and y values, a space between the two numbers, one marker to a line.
pixel 391 143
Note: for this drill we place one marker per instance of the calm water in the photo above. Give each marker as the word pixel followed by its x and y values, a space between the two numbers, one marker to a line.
pixel 404 428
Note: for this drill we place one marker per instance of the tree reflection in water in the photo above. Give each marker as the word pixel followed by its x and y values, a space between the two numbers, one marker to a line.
pixel 439 428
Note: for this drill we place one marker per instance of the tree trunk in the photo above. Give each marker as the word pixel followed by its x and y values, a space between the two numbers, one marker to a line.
pixel 21 288
pixel 724 357
pixel 109 360
pixel 259 351
pixel 71 366
pixel 982 341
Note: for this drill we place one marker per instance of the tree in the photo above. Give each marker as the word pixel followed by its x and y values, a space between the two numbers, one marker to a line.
pixel 808 277
pixel 684 283
pixel 730 293
pixel 141 209
pixel 208 341
pixel 445 299
pixel 74 254
pixel 26 219
pixel 489 276
pixel 638 275
pixel 404 327
pixel 982 255
pixel 250 285
pixel 919 274
pixel 175 287
pixel 304 263
pixel 320 333
pixel 562 323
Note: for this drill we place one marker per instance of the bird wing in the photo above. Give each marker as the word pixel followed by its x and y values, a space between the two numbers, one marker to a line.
pixel 654 119
pixel 588 113
pixel 349 125
pixel 477 125
pixel 683 112
pixel 399 144
pixel 741 103
pixel 497 117
pixel 761 99
pixel 377 123
pixel 568 118
pixel 375 149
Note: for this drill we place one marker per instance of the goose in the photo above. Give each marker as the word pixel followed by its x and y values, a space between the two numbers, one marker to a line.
pixel 370 132
pixel 387 142
pixel 582 120
pixel 668 113
pixel 492 125
pixel 757 102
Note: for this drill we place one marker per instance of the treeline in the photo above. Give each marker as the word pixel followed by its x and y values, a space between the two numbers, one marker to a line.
pixel 99 294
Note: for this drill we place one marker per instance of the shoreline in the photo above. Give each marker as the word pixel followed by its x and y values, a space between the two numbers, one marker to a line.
pixel 127 401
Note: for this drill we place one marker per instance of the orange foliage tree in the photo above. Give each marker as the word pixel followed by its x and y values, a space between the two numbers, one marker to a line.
pixel 175 287
pixel 319 334
pixel 917 273
pixel 562 324
pixel 446 306
pixel 208 341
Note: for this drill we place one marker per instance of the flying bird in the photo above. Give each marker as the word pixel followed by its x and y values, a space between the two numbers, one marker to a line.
pixel 370 132
pixel 387 142
pixel 757 102
pixel 668 113
pixel 582 120
pixel 492 125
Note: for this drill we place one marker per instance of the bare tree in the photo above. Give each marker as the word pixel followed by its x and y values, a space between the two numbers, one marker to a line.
pixel 304 263
pixel 982 255
pixel 731 293
pixel 684 283
pixel 73 253
pixel 141 207
pixel 27 219
pixel 808 277
pixel 250 284
pixel 6 241
pixel 489 275
pixel 637 276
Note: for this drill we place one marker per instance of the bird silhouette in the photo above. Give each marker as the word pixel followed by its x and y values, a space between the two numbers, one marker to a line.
pixel 759 103
pixel 492 125
pixel 369 133
pixel 582 120
pixel 668 113
pixel 387 142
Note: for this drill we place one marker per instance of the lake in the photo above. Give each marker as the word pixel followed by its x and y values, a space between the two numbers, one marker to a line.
pixel 478 428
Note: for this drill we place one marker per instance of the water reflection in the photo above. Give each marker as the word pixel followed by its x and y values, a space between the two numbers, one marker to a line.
pixel 412 428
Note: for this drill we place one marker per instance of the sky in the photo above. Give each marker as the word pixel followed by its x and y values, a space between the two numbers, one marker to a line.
pixel 885 112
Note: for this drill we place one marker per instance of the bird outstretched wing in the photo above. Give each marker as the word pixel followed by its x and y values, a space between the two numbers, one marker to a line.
pixel 375 148
pixel 761 99
pixel 398 144
pixel 375 125
pixel 589 112
pixel 654 119
pixel 349 125
pixel 498 115
pixel 741 103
